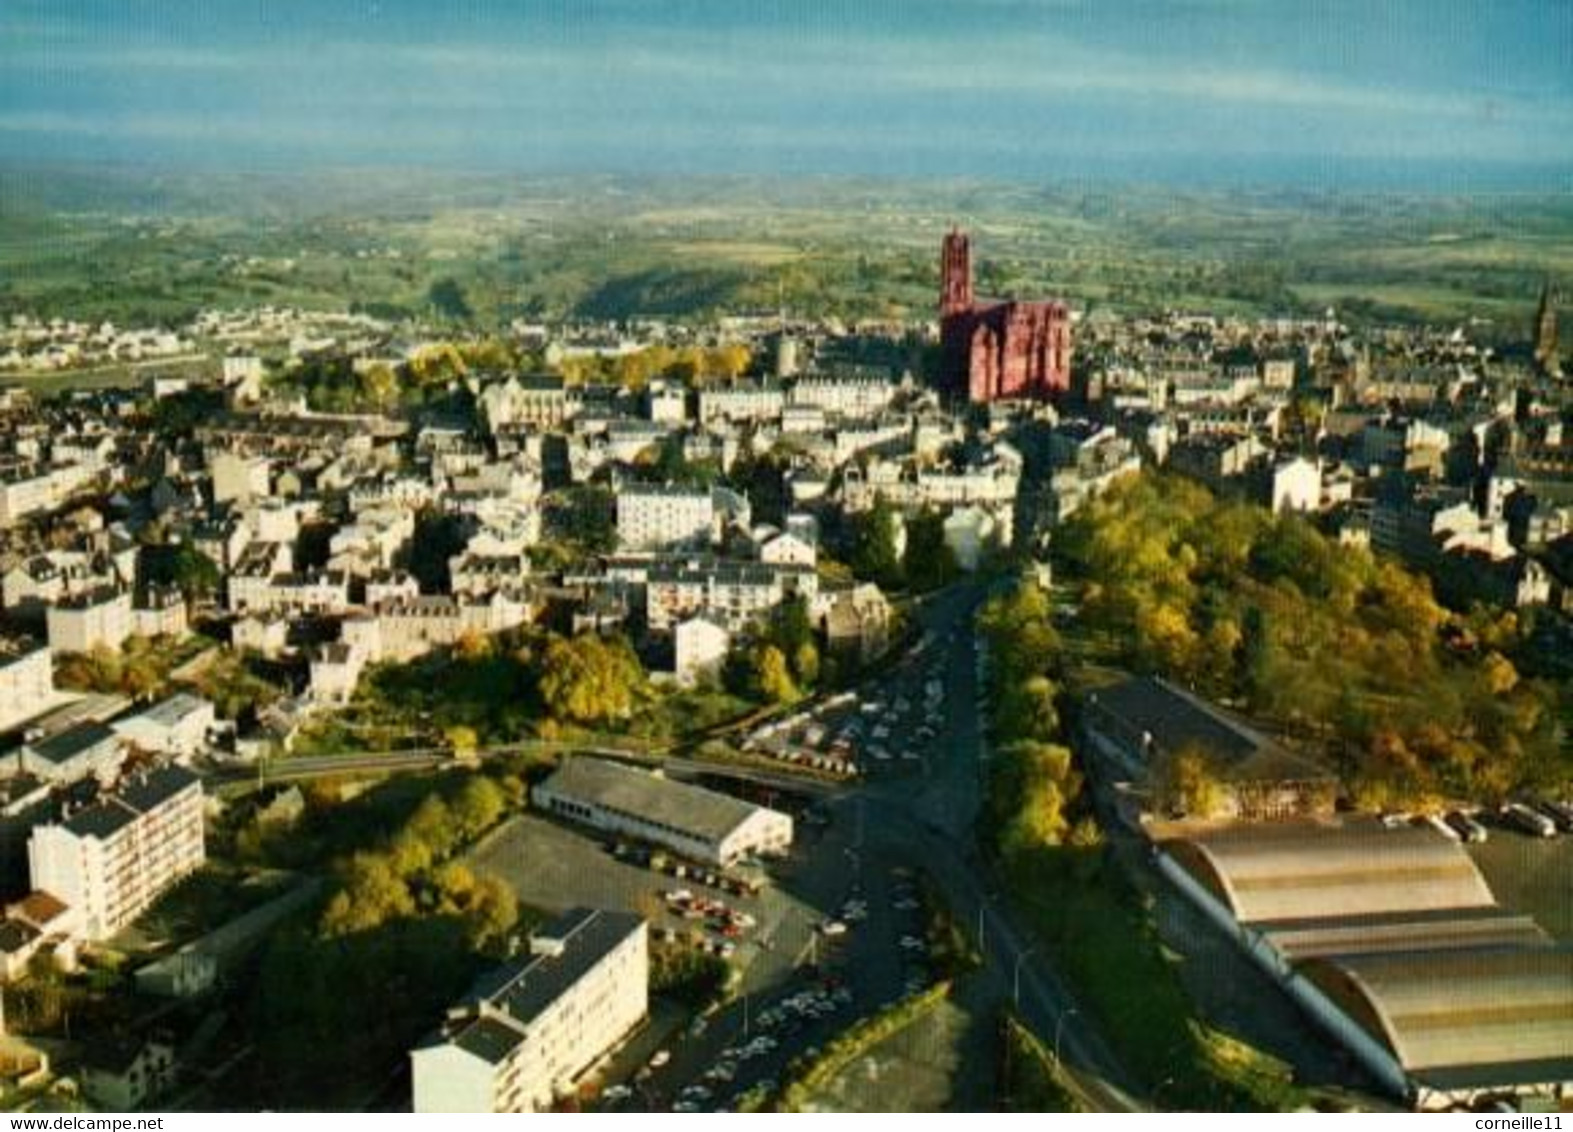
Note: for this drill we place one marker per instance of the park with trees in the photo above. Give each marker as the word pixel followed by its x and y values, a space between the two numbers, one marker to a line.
pixel 1346 653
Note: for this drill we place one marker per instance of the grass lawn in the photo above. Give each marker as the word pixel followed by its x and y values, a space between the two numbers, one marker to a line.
pixel 1105 941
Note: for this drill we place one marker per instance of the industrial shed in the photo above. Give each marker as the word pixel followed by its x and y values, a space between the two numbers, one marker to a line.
pixel 1392 941
pixel 1300 871
pixel 702 824
pixel 1461 1021
pixel 1130 728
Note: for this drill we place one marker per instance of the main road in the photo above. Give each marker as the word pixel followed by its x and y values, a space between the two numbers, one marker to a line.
pixel 933 819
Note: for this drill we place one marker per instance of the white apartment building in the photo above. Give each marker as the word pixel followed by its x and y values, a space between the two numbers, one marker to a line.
pixel 326 592
pixel 26 491
pixel 533 1027
pixel 27 686
pixel 541 402
pixel 741 401
pixel 239 478
pixel 700 824
pixel 844 396
pixel 699 648
pixel 731 593
pixel 110 861
pixel 91 620
pixel 666 518
pixel 87 749
pixel 1296 485
pixel 176 725
pixel 403 630
pixel 668 404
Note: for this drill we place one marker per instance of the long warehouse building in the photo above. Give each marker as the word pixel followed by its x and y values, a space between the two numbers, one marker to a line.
pixel 701 824
pixel 1393 943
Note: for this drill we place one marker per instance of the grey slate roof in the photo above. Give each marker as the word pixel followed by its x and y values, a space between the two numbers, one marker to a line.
pixel 677 805
pixel 136 797
pixel 504 1002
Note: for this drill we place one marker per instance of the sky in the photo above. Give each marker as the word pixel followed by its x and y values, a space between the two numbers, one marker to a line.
pixel 1257 90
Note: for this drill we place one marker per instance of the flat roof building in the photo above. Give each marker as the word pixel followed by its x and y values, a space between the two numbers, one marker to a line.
pixel 1132 727
pixel 698 823
pixel 110 861
pixel 531 1028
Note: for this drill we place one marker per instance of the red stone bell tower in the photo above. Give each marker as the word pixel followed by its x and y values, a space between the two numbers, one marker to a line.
pixel 995 350
pixel 955 273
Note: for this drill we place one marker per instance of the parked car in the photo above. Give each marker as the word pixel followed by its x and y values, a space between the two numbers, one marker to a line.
pixel 1559 812
pixel 1467 827
pixel 1530 821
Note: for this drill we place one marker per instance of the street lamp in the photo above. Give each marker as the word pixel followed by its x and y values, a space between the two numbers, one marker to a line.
pixel 1015 978
pixel 1058 1023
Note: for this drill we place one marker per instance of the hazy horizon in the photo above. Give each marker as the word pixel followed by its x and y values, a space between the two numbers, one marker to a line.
pixel 1329 95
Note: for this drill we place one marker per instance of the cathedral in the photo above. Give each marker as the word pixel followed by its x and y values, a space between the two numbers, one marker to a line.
pixel 1547 351
pixel 995 350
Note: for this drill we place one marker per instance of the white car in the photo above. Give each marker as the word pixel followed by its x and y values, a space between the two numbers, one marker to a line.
pixel 832 928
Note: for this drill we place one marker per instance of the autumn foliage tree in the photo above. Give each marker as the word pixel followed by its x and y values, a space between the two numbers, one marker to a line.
pixel 1329 643
pixel 591 680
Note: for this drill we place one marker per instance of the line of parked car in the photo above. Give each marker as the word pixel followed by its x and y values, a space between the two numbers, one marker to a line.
pixel 1543 818
pixel 1539 818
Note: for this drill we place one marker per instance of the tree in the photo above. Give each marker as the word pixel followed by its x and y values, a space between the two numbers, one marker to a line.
pixel 876 546
pixel 1034 785
pixel 929 561
pixel 195 574
pixel 772 678
pixel 380 385
pixel 590 680
pixel 449 300
pixel 370 893
pixel 729 361
pixel 479 805
pixel 1021 631
pixel 1026 709
pixel 805 664
pixel 435 826
pixel 1188 783
pixel 462 741
pixel 437 365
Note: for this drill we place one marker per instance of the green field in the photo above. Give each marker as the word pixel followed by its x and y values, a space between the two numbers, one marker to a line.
pixel 143 250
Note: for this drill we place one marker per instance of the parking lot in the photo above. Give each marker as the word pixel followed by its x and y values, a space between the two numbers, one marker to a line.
pixel 1531 874
pixel 886 727
pixel 864 949
pixel 554 867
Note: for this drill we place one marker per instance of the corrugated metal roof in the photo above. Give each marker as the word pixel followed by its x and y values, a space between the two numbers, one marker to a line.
pixel 1443 1010
pixel 1299 872
pixel 1445 929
